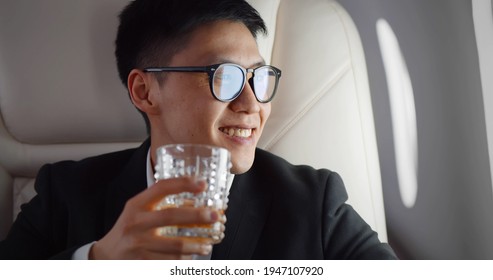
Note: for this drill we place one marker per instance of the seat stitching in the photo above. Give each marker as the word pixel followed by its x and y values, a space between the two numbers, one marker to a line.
pixel 344 69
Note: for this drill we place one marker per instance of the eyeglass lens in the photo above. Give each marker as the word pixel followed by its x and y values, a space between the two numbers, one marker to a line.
pixel 228 81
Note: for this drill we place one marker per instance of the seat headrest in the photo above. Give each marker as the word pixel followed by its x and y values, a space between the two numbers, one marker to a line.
pixel 58 77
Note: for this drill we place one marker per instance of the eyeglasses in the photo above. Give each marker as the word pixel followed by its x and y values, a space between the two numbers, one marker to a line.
pixel 227 80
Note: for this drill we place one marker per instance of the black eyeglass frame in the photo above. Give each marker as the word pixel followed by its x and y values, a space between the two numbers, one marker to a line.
pixel 211 69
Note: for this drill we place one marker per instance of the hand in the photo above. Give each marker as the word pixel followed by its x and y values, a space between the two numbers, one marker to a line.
pixel 134 234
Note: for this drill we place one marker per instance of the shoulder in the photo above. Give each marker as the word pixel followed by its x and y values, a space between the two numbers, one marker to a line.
pixel 285 176
pixel 266 162
pixel 80 186
pixel 90 174
pixel 94 165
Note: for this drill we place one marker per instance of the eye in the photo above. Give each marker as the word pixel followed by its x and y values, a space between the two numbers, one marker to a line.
pixel 223 77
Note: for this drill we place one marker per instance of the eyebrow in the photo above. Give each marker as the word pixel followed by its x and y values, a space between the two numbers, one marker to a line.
pixel 260 63
pixel 219 60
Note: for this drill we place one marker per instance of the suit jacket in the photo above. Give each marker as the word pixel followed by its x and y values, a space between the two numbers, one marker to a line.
pixel 275 211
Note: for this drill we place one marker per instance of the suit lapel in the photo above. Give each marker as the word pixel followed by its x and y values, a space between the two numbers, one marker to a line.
pixel 130 181
pixel 248 208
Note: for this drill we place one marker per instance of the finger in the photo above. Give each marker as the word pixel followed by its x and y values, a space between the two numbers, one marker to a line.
pixel 177 246
pixel 222 218
pixel 152 195
pixel 178 216
pixel 149 255
pixel 174 185
pixel 221 237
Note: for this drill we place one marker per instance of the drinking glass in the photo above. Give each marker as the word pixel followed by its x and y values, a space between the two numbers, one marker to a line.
pixel 201 162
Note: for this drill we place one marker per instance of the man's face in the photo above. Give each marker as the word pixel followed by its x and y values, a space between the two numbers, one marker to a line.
pixel 188 111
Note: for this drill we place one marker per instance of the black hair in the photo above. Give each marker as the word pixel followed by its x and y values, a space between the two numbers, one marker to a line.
pixel 152 31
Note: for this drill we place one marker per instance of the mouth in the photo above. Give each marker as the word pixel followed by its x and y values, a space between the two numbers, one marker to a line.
pixel 237 132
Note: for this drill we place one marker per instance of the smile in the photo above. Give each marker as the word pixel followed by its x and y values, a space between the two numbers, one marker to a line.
pixel 237 132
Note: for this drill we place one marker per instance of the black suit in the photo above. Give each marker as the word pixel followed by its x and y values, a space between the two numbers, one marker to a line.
pixel 276 211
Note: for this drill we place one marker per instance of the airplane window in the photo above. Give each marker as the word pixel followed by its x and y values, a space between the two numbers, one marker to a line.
pixel 483 26
pixel 403 113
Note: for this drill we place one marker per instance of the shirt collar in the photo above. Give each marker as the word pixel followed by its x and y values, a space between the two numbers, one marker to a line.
pixel 149 170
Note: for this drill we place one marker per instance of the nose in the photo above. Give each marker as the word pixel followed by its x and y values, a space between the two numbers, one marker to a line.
pixel 246 101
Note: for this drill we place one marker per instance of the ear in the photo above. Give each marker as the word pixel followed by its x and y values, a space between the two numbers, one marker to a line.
pixel 141 87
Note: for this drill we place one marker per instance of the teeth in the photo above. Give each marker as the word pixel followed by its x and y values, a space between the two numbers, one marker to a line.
pixel 237 132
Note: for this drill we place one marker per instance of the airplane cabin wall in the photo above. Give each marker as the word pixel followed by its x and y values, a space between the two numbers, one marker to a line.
pixel 451 217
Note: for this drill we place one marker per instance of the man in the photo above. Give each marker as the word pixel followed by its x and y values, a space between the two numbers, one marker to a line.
pixel 193 69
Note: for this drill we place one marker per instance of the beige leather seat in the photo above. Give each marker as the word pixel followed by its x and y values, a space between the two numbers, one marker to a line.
pixel 60 97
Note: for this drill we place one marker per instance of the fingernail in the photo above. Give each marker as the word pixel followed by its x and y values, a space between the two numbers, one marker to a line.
pixel 214 216
pixel 210 215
